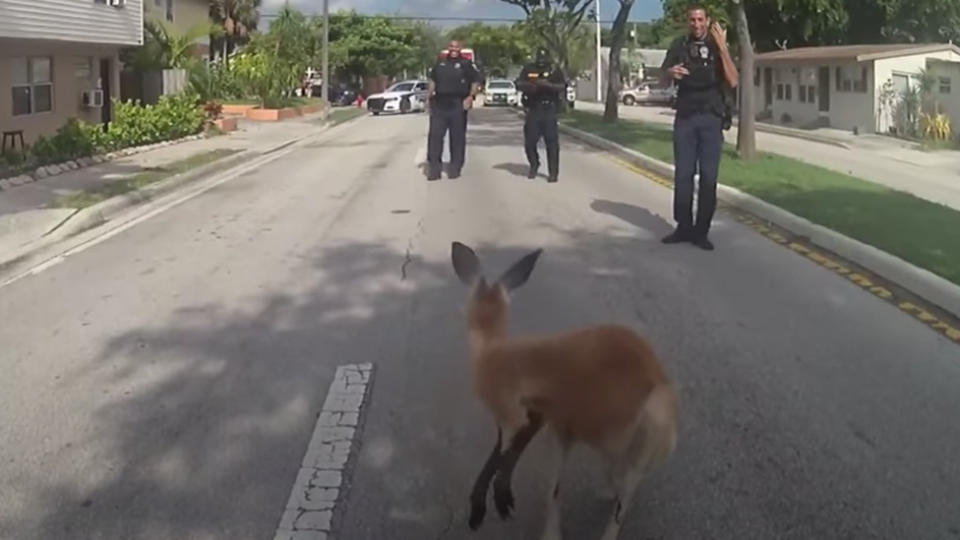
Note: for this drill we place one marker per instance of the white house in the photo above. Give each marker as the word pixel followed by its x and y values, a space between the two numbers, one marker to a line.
pixel 59 59
pixel 843 86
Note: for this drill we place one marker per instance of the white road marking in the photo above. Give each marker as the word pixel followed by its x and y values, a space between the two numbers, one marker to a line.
pixel 316 491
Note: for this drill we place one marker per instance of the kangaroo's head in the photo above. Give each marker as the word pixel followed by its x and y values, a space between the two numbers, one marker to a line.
pixel 487 303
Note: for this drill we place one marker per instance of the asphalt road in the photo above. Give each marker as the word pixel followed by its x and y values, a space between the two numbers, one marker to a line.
pixel 165 382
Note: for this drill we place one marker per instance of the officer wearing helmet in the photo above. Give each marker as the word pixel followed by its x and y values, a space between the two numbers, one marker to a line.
pixel 543 85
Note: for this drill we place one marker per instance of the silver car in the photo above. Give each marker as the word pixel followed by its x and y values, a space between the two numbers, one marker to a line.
pixel 649 93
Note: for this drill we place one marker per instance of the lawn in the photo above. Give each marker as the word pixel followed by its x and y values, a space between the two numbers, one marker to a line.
pixel 83 199
pixel 338 115
pixel 921 232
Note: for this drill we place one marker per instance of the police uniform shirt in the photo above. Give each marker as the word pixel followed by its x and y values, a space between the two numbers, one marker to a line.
pixel 533 72
pixel 452 78
pixel 700 90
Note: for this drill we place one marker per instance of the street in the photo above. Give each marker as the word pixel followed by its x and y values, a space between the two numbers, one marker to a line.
pixel 165 382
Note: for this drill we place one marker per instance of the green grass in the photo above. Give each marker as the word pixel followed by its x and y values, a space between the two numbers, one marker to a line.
pixel 342 114
pixel 921 232
pixel 89 197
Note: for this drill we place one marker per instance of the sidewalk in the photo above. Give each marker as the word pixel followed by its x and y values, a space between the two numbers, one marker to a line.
pixel 27 212
pixel 934 176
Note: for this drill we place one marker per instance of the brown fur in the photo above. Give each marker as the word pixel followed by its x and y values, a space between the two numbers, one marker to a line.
pixel 602 386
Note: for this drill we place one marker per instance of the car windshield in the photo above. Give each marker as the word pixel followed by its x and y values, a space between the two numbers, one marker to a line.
pixel 501 84
pixel 401 87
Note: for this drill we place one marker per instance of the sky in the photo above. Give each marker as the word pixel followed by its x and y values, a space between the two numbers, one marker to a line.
pixel 643 10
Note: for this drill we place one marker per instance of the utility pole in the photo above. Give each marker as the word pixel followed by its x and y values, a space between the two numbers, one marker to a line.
pixel 599 63
pixel 326 60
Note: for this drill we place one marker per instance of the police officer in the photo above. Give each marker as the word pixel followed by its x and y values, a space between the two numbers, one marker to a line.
pixel 454 84
pixel 700 63
pixel 543 86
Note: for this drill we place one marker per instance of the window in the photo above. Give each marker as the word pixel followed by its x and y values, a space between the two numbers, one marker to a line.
pixel 944 85
pixel 780 91
pixel 756 77
pixel 32 85
pixel 812 94
pixel 789 92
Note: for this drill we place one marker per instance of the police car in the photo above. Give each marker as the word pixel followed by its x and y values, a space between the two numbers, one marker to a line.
pixel 501 92
pixel 402 97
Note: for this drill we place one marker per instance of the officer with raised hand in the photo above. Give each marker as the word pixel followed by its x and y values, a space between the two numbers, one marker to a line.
pixel 700 63
pixel 454 83
pixel 543 85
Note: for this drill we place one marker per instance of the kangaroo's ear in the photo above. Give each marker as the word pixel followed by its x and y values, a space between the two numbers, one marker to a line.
pixel 465 263
pixel 519 273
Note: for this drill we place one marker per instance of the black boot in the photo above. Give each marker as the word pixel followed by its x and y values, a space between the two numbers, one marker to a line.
pixel 532 173
pixel 679 235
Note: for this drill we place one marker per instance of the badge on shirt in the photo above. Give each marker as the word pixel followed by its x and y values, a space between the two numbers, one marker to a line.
pixel 457 65
pixel 704 52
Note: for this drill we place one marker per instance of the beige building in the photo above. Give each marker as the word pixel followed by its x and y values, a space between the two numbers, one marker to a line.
pixel 59 59
pixel 182 16
pixel 843 86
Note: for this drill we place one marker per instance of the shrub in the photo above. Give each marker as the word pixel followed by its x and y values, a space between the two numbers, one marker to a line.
pixel 172 117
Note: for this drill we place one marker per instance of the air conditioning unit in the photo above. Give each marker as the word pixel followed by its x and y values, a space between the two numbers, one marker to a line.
pixel 92 98
pixel 117 3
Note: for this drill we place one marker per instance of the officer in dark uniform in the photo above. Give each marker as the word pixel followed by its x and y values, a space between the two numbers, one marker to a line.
pixel 701 65
pixel 543 85
pixel 454 84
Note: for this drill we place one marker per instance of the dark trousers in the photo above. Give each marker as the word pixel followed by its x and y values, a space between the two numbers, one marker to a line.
pixel 697 143
pixel 541 121
pixel 444 118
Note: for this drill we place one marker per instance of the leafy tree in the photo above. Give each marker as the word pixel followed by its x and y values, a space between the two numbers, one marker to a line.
pixel 554 22
pixel 238 19
pixel 363 45
pixel 499 47
pixel 164 47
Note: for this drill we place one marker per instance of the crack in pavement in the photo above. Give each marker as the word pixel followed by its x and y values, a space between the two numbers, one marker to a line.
pixel 407 257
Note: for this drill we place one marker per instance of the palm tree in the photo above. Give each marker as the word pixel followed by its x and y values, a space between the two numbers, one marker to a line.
pixel 237 18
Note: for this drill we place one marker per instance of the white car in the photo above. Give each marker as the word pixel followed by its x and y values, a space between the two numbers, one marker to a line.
pixel 501 92
pixel 402 97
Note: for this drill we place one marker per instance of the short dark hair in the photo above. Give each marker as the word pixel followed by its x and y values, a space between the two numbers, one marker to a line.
pixel 697 7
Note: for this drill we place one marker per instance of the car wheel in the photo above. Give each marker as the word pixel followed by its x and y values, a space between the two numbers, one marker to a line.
pixel 629 100
pixel 405 105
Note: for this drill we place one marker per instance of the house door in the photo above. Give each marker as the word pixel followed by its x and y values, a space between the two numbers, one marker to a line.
pixel 106 82
pixel 767 87
pixel 824 94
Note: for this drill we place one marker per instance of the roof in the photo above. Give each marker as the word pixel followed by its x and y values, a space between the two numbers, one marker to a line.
pixel 859 53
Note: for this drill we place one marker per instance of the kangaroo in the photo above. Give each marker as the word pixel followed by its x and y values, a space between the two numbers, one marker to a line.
pixel 601 386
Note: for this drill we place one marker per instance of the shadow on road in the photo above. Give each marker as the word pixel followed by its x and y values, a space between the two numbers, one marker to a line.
pixel 634 215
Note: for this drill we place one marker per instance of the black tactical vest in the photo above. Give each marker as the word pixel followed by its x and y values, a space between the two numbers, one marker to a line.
pixel 700 90
pixel 452 78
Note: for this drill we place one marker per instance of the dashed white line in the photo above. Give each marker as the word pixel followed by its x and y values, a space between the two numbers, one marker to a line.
pixel 317 489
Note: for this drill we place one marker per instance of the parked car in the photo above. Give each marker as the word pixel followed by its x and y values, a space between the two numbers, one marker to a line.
pixel 402 97
pixel 501 92
pixel 649 93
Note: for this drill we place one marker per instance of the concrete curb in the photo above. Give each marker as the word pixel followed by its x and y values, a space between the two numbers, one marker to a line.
pixel 790 132
pixel 103 211
pixel 800 135
pixel 929 286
